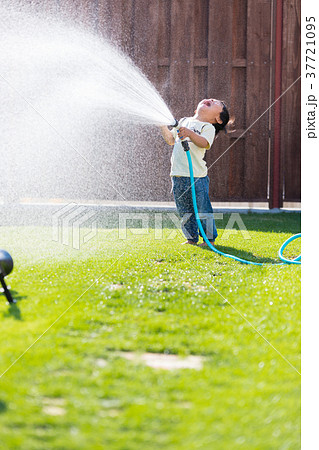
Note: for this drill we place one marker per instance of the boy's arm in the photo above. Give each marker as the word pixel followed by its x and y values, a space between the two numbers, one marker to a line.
pixel 200 141
pixel 167 135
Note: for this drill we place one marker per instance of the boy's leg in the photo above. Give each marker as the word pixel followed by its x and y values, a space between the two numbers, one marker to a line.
pixel 184 204
pixel 205 208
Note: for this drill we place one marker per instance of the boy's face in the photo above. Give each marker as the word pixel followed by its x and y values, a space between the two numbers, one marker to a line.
pixel 210 109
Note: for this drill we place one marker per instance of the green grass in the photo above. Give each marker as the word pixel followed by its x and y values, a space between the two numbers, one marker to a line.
pixel 151 295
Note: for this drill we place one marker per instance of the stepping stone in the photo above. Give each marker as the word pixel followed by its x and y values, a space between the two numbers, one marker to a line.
pixel 163 361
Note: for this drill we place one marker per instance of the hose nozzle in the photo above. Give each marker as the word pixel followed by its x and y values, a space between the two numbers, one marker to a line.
pixel 175 123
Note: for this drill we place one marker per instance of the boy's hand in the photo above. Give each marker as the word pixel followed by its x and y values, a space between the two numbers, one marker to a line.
pixel 184 132
pixel 200 141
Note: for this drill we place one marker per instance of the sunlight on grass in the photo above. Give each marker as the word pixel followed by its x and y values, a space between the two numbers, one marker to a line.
pixel 73 389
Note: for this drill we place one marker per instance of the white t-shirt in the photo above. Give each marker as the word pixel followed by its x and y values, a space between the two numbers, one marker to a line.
pixel 179 164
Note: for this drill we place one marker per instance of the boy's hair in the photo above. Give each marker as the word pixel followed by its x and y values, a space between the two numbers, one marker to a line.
pixel 224 115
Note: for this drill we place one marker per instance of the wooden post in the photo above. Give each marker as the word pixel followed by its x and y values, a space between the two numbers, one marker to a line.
pixel 275 200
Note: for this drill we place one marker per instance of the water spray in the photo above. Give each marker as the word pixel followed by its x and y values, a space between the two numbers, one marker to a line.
pixel 6 266
pixel 296 260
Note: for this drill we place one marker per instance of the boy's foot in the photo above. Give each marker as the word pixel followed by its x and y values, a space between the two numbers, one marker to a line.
pixel 203 244
pixel 190 242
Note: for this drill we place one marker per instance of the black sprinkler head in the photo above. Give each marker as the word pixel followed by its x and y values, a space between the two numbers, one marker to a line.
pixel 175 123
pixel 6 266
pixel 6 263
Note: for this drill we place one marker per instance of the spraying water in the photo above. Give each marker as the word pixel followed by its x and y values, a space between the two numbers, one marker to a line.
pixel 64 92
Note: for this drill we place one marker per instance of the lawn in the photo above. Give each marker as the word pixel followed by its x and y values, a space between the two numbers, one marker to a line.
pixel 69 377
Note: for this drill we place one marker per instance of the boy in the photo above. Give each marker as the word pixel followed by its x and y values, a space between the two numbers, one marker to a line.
pixel 210 117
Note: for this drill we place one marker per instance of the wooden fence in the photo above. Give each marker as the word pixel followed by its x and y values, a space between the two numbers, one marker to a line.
pixel 192 49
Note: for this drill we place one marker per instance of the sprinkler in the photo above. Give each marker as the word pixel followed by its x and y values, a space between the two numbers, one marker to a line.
pixel 6 266
pixel 244 261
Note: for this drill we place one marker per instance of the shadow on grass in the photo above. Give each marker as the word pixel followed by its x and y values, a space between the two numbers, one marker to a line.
pixel 14 310
pixel 242 254
pixel 3 407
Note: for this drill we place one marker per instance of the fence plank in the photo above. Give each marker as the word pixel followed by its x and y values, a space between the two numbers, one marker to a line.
pixel 110 23
pixel 182 57
pixel 83 12
pixel 236 183
pixel 219 86
pixel 201 13
pixel 290 117
pixel 258 85
pixel 164 48
pixel 146 24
